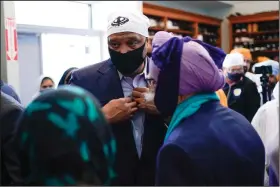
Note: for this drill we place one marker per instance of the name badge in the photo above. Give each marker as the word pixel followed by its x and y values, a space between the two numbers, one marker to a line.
pixel 237 92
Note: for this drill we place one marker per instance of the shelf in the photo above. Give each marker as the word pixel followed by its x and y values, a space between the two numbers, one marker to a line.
pixel 260 41
pixel 256 33
pixel 178 31
pixel 156 29
pixel 266 51
pixel 253 18
pixel 267 35
pixel 188 23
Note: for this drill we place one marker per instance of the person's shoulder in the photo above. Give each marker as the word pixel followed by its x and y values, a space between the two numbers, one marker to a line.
pixel 7 88
pixel 248 81
pixel 9 104
pixel 172 148
pixel 91 69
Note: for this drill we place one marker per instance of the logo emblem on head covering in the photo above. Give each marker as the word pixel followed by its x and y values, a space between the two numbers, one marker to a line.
pixel 119 21
pixel 237 92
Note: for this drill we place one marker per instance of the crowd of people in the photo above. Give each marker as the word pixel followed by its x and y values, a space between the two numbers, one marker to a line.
pixel 171 111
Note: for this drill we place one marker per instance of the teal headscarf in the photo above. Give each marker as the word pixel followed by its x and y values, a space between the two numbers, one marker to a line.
pixel 65 140
pixel 187 108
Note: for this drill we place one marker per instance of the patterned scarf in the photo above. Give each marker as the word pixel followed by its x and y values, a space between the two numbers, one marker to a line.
pixel 65 140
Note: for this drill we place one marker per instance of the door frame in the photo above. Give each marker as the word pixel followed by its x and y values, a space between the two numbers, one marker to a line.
pixel 34 29
pixel 39 45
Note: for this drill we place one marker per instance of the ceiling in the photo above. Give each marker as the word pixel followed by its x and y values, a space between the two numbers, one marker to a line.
pixel 207 5
pixel 200 7
pixel 232 2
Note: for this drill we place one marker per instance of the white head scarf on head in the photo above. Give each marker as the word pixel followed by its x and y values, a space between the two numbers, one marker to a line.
pixel 233 59
pixel 127 21
pixel 39 86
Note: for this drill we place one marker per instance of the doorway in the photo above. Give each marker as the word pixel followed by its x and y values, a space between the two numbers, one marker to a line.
pixel 29 59
pixel 62 51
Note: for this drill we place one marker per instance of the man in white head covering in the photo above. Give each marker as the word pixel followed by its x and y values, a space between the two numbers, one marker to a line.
pixel 242 93
pixel 121 85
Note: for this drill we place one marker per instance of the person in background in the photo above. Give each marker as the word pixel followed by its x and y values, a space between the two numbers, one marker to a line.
pixel 274 162
pixel 125 91
pixel 45 83
pixel 65 79
pixel 266 122
pixel 10 112
pixel 262 59
pixel 64 140
pixel 150 48
pixel 248 64
pixel 248 61
pixel 9 90
pixel 275 71
pixel 223 98
pixel 242 93
pixel 206 144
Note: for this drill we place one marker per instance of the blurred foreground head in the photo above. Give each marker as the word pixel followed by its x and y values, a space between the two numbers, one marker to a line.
pixel 64 140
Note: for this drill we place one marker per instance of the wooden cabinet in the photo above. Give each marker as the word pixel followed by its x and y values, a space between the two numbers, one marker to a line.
pixel 258 32
pixel 183 23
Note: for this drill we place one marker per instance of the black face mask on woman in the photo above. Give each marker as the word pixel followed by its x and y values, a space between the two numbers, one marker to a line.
pixel 127 63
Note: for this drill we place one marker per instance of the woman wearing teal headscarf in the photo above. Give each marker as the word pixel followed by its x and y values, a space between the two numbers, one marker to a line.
pixel 65 140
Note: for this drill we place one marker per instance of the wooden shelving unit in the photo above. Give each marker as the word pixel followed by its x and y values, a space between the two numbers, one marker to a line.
pixel 183 23
pixel 258 32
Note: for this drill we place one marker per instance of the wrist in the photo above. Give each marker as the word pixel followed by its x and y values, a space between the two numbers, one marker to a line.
pixel 106 115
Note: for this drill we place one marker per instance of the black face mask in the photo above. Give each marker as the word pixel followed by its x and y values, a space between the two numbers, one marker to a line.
pixel 127 63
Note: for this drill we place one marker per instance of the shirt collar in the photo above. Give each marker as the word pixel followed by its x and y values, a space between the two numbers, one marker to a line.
pixel 144 71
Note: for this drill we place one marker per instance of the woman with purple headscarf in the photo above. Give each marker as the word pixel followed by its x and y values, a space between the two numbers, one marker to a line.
pixel 206 144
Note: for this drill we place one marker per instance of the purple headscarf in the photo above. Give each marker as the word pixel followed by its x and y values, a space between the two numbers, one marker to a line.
pixel 186 66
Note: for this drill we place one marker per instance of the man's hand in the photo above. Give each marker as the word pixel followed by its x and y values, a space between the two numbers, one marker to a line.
pixel 145 100
pixel 119 110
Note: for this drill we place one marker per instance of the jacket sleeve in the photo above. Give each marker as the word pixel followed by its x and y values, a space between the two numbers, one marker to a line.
pixel 8 145
pixel 253 98
pixel 172 167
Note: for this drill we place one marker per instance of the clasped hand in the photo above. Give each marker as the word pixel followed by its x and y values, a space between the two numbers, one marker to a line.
pixel 124 108
pixel 145 100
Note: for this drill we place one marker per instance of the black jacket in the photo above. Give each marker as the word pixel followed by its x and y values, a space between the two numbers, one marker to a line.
pixel 243 97
pixel 10 166
pixel 102 80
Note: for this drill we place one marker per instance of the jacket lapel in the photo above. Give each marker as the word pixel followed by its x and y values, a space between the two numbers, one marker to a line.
pixel 109 83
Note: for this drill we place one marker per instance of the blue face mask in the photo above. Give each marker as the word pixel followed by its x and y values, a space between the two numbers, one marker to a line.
pixel 234 76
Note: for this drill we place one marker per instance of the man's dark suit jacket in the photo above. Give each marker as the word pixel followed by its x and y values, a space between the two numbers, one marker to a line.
pixel 10 166
pixel 102 80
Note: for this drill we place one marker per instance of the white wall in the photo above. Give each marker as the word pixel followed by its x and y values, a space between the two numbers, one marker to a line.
pixel 251 7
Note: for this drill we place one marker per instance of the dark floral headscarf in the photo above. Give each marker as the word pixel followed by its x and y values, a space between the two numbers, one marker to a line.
pixel 65 140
